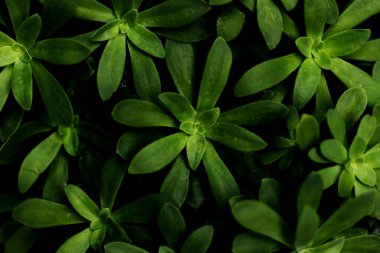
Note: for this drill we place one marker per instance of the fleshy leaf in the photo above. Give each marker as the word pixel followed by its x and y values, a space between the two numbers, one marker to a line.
pixel 345 183
pixel 368 52
pixel 307 226
pixel 27 33
pixel 94 11
pixel 195 148
pixel 310 192
pixel 315 14
pixel 5 80
pixel 372 157
pixel 269 19
pixel 230 23
pixel 208 118
pixel 364 173
pixel 18 11
pixel 21 241
pixel 305 45
pixel 178 105
pixel 363 243
pixel 56 179
pixel 146 40
pixel 82 202
pixel 249 242
pixel 289 4
pixel 270 193
pixel 107 31
pixel 171 223
pixel 336 125
pixel 334 151
pixel 307 132
pixel 78 243
pixel 330 175
pixel 8 55
pixel 199 240
pixel 120 247
pixel 22 84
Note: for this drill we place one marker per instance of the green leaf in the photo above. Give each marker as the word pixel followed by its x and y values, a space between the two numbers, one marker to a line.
pixel 367 52
pixel 82 202
pixel 215 74
pixel 129 112
pixel 195 148
pixel 21 241
pixel 122 247
pixel 330 175
pixel 315 14
pixel 307 81
pixel 56 179
pixel 235 137
pixel 165 249
pixel 364 173
pixel 351 105
pixel 255 113
pixel 5 80
pixel 78 243
pixel 260 218
pixel 153 157
pixel 112 177
pixel 269 19
pixel 111 61
pixel 249 242
pixel 181 64
pixel 146 40
pixel 53 95
pixel 323 100
pixel 358 147
pixel 208 118
pixel 145 75
pixel 171 223
pixel 363 243
pixel 199 240
pixel 305 45
pixel 367 128
pixel 94 11
pixel 270 193
pixel 336 125
pixel 121 7
pixel 176 182
pixel 315 155
pixel 5 40
pixel 345 183
pixel 97 237
pixel 230 23
pixel 332 12
pixel 372 158
pixel 178 105
pixel 37 161
pixel 22 84
pixel 219 2
pixel 28 31
pixel 18 11
pixel 334 151
pixel 289 26
pixel 307 132
pixel 310 192
pixel 267 74
pixel 346 216
pixel 289 4
pixel 334 246
pixel 11 120
pixel 352 76
pixel 64 51
pixel 173 13
pixel 8 55
pixel 307 226
pixel 41 213
pixel 107 31
pixel 346 42
pixel 323 60
pixel 70 140
pixel 223 184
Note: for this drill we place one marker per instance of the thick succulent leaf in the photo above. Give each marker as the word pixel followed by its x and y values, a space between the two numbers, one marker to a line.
pixel 141 113
pixel 230 23
pixel 307 81
pixel 171 223
pixel 5 40
pixel 332 12
pixel 8 55
pixel 81 202
pixel 289 4
pixel 10 122
pixel 41 213
pixel 235 137
pixel 21 241
pixel 248 243
pixel 173 13
pixel 346 216
pixel 38 160
pixel 372 158
pixel 346 183
pixel 28 31
pixel 5 80
pixel 357 148
pixel 145 75
pixel 78 243
pixel 270 193
pixel 181 64
pixel 334 246
pixel 334 151
pixel 352 76
pixel 367 52
pixel 346 42
pixel 121 7
pixel 267 74
pixel 330 175
pixel 22 84
pixel 70 140
pixel 195 148
pixel 56 179
pixel 307 132
pixel 336 125
pixel 18 11
pixel 153 157
pixel 178 105
pixel 367 128
pixel 111 67
pixel 121 247
pixel 364 173
pixel 269 19
pixel 289 26
pixel 363 243
pixel 323 100
pixel 215 74
pixel 255 113
pixel 219 2
pixel 199 240
pixel 307 226
pixel 94 11
pixel 165 249
pixel 351 105
pixel 310 192
pixel 315 14
pixel 305 45
pixel 260 218
pixel 53 95
pixel 223 184
pixel 107 31
pixel 146 40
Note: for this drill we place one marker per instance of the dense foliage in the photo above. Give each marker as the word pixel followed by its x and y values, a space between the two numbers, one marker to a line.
pixel 189 126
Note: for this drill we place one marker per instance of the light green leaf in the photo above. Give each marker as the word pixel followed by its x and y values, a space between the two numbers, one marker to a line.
pixel 332 12
pixel 28 31
pixel 346 183
pixel 334 151
pixel 146 40
pixel 305 45
pixel 171 223
pixel 153 157
pixel 5 87
pixel 173 13
pixel 145 75
pixel 178 105
pixel 230 23
pixel 367 128
pixel 289 26
pixel 22 84
pixel 235 137
pixel 334 246
pixel 336 126
pixel 97 237
pixel 215 74
pixel 111 67
pixel 315 14
pixel 249 242
pixel 269 19
pixel 270 193
pixel 70 140
pixel 94 11
pixel 8 55
pixel 372 158
pixel 367 52
pixel 267 74
pixel 307 132
pixel 307 81
pixel 122 247
pixel 82 202
pixel 41 213
pixel 310 192
pixel 18 11
pixel 357 148
pixel 37 161
pixel 78 243
pixel 21 241
pixel 107 31
pixel 315 155
pixel 5 40
pixel 195 148
pixel 330 175
pixel 289 4
pixel 56 179
pixel 307 226
pixel 130 111
pixel 363 243
pixel 364 173
pixel 199 240
pixel 223 184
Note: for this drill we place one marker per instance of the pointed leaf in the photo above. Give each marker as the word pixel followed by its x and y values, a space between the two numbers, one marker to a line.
pixel 8 55
pixel 121 247
pixel 153 157
pixel 5 40
pixel 336 125
pixel 178 105
pixel 332 12
pixel 307 226
pixel 146 40
pixel 330 175
pixel 219 2
pixel 367 128
pixel 334 246
pixel 270 193
pixel 195 148
pixel 28 31
pixel 107 31
pixel 269 19
pixel 41 213
pixel 22 84
pixel 56 179
pixel 230 23
pixel 94 11
pixel 289 4
pixel 199 240
pixel 171 223
pixel 315 14
pixel 307 132
pixel 121 7
pixel 372 158
pixel 215 74
pixel 78 243
pixel 70 140
pixel 249 242
pixel 345 183
pixel 5 87
pixel 364 173
pixel 18 11
pixel 334 151
pixel 367 52
pixel 310 192
pixel 165 249
pixel 267 74
pixel 305 45
pixel 289 26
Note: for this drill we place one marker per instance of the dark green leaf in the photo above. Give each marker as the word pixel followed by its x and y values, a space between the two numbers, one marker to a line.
pixel 165 249
pixel 178 105
pixel 230 23
pixel 41 213
pixel 336 125
pixel 267 74
pixel 289 26
pixel 18 11
pixel 248 243
pixel 363 243
pixel 307 226
pixel 215 74
pixel 82 202
pixel 195 148
pixel 346 183
pixel 146 40
pixel 307 132
pixel 5 80
pixel 199 240
pixel 208 118
pixel 122 247
pixel 107 31
pixel 97 237
pixel 332 12
pixel 8 202
pixel 56 179
pixel 21 241
pixel 334 151
pixel 195 196
pixel 269 19
pixel 22 84
pixel 10 122
pixel 219 2
pixel 289 4
pixel 310 192
pixel 121 7
pixel 250 4
pixel 78 243
pixel 315 14
pixel 171 223
pixel 94 11
pixel 323 100
pixel 270 193
pixel 28 31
